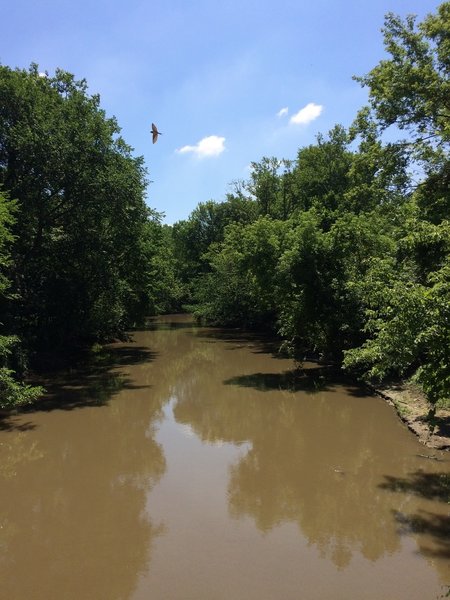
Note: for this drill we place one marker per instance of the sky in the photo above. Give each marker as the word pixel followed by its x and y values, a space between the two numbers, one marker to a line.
pixel 227 82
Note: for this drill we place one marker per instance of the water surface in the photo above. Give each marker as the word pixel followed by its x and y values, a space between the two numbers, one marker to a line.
pixel 197 465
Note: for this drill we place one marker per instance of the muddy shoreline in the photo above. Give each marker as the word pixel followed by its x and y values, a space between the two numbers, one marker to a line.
pixel 412 408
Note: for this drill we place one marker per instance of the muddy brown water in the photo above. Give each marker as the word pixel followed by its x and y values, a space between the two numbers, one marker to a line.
pixel 197 466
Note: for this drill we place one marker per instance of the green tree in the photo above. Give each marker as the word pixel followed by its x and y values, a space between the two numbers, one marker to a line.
pixel 206 226
pixel 264 184
pixel 12 391
pixel 322 174
pixel 81 213
pixel 164 290
pixel 321 308
pixel 407 295
pixel 406 299
pixel 411 89
pixel 410 92
pixel 241 287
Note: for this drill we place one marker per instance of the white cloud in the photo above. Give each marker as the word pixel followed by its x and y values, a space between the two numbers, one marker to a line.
pixel 307 114
pixel 283 112
pixel 211 145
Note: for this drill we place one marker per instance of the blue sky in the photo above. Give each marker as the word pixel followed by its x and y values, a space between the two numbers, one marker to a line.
pixel 227 82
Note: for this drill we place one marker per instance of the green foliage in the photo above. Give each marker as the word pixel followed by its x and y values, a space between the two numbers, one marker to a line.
pixel 408 326
pixel 393 323
pixel 351 257
pixel 77 260
pixel 344 251
pixel 434 339
pixel 322 307
pixel 240 288
pixel 12 392
pixel 407 297
pixel 410 90
pixel 7 210
pixel 81 255
pixel 164 288
pixel 206 226
pixel 321 175
pixel 265 186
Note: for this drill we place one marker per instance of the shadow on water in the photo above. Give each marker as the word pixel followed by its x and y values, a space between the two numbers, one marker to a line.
pixel 311 375
pixel 168 322
pixel 430 486
pixel 7 424
pixel 310 381
pixel 153 326
pixel 435 526
pixel 126 355
pixel 90 383
pixel 262 344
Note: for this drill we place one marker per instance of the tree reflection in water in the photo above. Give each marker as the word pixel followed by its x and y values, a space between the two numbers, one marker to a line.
pixel 317 455
pixel 317 449
pixel 73 519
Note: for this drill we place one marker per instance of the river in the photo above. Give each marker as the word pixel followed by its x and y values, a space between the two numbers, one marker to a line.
pixel 196 465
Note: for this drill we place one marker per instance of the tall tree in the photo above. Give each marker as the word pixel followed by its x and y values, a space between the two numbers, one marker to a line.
pixel 410 91
pixel 408 297
pixel 12 391
pixel 81 209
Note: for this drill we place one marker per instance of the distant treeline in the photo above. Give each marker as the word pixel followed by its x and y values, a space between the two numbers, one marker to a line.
pixel 343 251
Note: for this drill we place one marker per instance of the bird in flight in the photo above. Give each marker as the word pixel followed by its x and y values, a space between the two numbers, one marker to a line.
pixel 155 132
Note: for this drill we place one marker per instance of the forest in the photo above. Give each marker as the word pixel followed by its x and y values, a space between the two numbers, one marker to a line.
pixel 342 251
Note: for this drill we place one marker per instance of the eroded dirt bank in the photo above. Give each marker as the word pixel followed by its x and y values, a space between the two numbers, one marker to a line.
pixel 412 408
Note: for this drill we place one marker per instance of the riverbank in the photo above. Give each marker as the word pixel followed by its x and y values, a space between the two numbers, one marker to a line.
pixel 406 398
pixel 412 408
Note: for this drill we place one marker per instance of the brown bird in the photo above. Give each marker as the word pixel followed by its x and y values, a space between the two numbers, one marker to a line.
pixel 155 132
